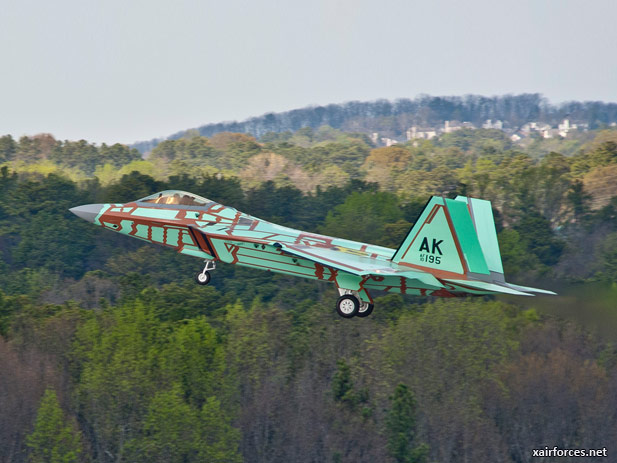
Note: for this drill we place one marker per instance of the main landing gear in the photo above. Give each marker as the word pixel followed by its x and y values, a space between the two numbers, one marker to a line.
pixel 204 277
pixel 350 305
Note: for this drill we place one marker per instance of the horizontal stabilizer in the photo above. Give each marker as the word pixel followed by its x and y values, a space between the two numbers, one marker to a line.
pixel 486 286
pixel 529 289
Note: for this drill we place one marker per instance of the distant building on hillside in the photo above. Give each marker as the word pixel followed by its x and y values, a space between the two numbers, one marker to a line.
pixel 388 141
pixel 529 127
pixel 382 141
pixel 565 128
pixel 493 125
pixel 549 132
pixel 540 129
pixel 453 126
pixel 414 133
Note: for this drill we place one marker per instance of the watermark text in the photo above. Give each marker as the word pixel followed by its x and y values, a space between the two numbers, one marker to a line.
pixel 558 452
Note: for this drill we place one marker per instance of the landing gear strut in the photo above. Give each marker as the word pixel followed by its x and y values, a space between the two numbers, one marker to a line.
pixel 349 305
pixel 204 277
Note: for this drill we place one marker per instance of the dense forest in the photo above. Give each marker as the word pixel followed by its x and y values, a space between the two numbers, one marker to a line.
pixel 393 118
pixel 110 352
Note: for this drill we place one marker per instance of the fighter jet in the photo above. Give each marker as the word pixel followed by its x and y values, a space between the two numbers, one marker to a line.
pixel 450 251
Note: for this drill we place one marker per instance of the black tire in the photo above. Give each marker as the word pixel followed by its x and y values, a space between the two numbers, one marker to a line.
pixel 203 278
pixel 367 312
pixel 347 306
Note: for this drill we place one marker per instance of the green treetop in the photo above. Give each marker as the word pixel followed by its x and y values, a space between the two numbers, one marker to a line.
pixel 54 440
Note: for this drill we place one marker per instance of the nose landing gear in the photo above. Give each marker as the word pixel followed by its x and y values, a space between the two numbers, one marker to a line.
pixel 204 277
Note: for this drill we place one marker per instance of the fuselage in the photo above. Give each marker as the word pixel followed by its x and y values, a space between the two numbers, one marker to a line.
pixel 441 256
pixel 234 237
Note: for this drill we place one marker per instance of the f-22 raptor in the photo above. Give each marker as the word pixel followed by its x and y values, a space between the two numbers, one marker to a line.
pixel 450 251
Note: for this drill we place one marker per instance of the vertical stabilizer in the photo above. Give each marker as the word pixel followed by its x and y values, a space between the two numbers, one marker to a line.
pixel 482 216
pixel 445 239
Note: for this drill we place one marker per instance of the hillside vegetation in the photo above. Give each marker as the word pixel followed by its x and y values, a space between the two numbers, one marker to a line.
pixel 110 352
pixel 393 118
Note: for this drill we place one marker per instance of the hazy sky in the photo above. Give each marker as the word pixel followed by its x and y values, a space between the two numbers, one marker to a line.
pixel 121 71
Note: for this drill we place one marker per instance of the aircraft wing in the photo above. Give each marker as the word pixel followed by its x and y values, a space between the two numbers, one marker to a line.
pixel 357 264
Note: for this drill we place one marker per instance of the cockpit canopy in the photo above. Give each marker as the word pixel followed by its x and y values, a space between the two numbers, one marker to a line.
pixel 175 197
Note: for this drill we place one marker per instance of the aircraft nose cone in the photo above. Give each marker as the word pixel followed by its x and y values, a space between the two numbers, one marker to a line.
pixel 87 212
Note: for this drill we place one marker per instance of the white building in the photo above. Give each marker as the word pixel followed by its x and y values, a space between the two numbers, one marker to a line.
pixel 529 127
pixel 548 132
pixel 449 127
pixel 388 141
pixel 565 127
pixel 414 133
pixel 489 124
pixel 453 126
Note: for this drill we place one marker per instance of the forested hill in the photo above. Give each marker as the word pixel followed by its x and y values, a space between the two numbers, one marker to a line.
pixel 393 118
pixel 110 352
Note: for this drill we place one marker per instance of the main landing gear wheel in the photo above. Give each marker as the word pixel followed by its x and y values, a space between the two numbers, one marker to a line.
pixel 203 278
pixel 365 309
pixel 347 306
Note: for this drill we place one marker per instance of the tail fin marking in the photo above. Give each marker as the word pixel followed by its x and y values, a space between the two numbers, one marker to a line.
pixel 432 242
pixel 444 238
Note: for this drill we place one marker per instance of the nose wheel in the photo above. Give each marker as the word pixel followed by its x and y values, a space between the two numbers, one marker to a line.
pixel 204 277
